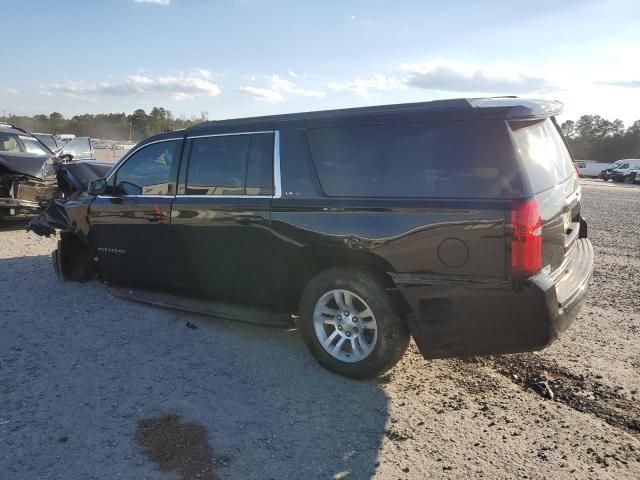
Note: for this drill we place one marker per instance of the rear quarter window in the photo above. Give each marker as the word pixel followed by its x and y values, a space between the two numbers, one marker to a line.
pixel 544 155
pixel 461 159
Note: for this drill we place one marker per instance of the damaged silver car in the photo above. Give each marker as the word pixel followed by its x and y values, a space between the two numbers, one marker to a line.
pixel 31 175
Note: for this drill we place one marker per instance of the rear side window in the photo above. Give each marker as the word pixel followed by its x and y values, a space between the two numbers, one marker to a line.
pixel 544 154
pixel 231 165
pixel 436 159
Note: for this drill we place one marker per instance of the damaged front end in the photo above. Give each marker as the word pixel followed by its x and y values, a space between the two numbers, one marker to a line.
pixel 27 185
pixel 72 260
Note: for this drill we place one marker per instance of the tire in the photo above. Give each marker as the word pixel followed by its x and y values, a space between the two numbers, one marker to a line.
pixel 368 351
pixel 628 179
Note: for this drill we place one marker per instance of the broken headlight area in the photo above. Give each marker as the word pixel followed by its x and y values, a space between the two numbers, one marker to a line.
pixel 28 184
pixel 21 194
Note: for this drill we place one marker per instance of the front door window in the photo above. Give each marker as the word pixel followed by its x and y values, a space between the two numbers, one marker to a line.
pixel 149 171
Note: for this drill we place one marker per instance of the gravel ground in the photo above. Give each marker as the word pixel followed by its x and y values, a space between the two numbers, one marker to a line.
pixel 90 382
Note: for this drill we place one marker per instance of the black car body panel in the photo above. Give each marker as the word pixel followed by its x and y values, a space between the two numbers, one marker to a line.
pixel 479 316
pixel 447 258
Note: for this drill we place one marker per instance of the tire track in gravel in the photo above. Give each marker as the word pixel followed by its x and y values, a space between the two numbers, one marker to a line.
pixel 583 393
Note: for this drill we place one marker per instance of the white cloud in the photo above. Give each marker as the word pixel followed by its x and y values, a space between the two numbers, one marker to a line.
pixel 293 74
pixel 453 76
pixel 179 86
pixel 450 76
pixel 263 94
pixel 155 2
pixel 12 91
pixel 367 86
pixel 622 83
pixel 279 85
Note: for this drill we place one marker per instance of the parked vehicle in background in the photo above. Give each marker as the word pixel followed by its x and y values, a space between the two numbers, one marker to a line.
pixel 458 222
pixel 606 173
pixel 80 147
pixel 626 171
pixel 31 174
pixel 65 138
pixel 590 168
pixel 27 172
pixel 49 140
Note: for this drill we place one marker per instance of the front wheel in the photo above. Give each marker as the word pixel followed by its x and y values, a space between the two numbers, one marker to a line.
pixel 350 324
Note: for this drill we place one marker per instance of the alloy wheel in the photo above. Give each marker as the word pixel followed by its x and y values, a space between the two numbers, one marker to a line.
pixel 345 325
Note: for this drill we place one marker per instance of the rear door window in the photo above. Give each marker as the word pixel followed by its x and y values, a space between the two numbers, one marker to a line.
pixel 437 159
pixel 544 155
pixel 231 165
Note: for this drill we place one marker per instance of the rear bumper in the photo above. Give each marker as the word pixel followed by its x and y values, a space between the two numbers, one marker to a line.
pixel 479 316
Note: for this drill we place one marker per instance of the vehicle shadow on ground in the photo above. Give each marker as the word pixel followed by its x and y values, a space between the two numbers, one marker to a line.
pixel 82 368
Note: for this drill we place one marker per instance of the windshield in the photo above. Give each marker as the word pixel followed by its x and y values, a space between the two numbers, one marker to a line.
pixel 21 144
pixel 48 140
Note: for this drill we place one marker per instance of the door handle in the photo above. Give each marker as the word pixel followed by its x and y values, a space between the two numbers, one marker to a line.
pixel 248 219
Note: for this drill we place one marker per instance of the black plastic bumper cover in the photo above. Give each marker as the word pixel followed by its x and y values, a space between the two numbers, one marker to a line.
pixel 486 316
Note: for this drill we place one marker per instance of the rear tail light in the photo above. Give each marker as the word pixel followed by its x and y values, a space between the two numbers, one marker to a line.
pixel 575 167
pixel 526 240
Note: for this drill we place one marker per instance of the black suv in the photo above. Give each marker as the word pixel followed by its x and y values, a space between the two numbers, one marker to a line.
pixel 457 222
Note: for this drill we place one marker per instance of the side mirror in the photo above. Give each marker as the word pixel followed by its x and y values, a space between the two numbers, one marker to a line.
pixel 67 157
pixel 128 188
pixel 97 186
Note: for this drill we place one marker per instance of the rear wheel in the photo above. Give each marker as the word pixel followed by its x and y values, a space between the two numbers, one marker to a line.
pixel 350 324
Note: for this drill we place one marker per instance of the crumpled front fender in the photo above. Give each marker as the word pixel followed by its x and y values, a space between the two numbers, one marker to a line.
pixel 65 215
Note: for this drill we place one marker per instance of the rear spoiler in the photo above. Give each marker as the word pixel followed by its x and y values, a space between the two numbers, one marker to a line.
pixel 517 109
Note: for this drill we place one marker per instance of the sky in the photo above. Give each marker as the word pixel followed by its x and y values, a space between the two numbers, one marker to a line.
pixel 238 58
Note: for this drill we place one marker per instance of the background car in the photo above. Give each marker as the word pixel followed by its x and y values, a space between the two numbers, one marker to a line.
pixel 49 140
pixel 606 173
pixel 81 148
pixel 27 172
pixel 590 168
pixel 626 171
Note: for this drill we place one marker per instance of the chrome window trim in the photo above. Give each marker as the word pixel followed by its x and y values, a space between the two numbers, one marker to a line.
pixel 136 196
pixel 277 180
pixel 230 134
pixel 223 196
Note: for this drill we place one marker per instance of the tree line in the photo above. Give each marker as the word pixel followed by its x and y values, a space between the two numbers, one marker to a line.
pixel 112 126
pixel 592 137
